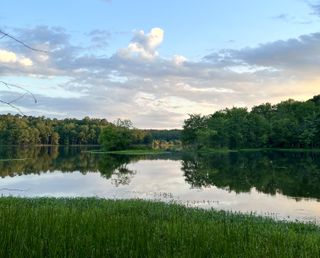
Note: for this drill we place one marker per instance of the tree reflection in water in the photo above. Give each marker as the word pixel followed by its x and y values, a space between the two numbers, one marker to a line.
pixel 295 174
pixel 23 161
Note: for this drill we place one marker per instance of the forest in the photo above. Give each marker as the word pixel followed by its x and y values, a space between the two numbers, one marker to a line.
pixel 289 124
pixel 28 130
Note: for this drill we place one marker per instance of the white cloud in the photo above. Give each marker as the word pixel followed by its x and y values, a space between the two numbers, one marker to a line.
pixel 179 60
pixel 25 61
pixel 187 87
pixel 11 57
pixel 144 45
pixel 7 57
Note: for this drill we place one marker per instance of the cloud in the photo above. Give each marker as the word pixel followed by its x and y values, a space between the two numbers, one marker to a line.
pixel 25 61
pixel 144 45
pixel 100 38
pixel 7 56
pixel 293 56
pixel 10 57
pixel 179 59
pixel 315 8
pixel 283 17
pixel 137 83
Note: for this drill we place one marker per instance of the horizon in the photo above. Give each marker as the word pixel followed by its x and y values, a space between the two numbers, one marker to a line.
pixel 144 128
pixel 156 63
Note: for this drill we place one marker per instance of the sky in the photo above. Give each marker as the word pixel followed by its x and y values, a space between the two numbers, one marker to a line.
pixel 155 62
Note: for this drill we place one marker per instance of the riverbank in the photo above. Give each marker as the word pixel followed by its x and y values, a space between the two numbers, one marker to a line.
pixel 147 151
pixel 87 227
pixel 191 151
pixel 224 150
pixel 130 152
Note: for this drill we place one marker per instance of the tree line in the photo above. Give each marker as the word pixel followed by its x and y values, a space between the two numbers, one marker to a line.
pixel 29 130
pixel 289 124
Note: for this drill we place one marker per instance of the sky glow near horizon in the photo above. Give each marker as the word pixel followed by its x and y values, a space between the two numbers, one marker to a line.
pixel 156 62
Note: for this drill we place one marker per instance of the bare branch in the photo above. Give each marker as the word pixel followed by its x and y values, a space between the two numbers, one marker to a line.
pixel 10 85
pixel 10 103
pixel 4 34
pixel 21 88
pixel 18 98
pixel 13 106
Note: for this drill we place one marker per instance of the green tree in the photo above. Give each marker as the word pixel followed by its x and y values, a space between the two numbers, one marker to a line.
pixel 116 137
pixel 191 127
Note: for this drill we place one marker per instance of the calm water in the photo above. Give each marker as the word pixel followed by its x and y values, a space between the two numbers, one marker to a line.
pixel 278 184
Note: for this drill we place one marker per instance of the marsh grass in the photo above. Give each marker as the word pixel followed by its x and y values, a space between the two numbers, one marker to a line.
pixel 89 227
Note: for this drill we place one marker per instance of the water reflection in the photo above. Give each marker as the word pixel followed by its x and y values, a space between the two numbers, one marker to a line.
pixel 269 183
pixel 24 161
pixel 292 174
pixel 289 173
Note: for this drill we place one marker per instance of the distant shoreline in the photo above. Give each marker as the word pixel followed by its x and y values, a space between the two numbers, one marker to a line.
pixel 186 150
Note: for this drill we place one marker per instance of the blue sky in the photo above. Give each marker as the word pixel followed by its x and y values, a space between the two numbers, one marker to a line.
pixel 156 61
pixel 192 27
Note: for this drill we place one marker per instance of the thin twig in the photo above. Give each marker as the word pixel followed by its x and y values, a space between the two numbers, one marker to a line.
pixel 21 88
pixel 13 106
pixel 18 98
pixel 9 85
pixel 21 42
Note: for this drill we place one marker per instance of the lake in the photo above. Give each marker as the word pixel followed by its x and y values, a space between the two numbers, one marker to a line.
pixel 283 185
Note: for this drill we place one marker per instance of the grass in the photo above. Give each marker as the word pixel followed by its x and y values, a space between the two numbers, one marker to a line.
pixel 89 227
pixel 130 152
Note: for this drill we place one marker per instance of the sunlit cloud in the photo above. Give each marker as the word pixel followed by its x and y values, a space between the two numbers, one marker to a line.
pixel 179 59
pixel 144 45
pixel 11 57
pixel 138 83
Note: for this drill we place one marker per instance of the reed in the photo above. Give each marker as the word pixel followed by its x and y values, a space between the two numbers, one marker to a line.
pixel 90 227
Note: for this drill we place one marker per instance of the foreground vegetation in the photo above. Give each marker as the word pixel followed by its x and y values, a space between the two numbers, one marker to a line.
pixel 133 228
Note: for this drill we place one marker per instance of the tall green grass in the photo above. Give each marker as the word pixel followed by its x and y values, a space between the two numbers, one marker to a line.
pixel 48 227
